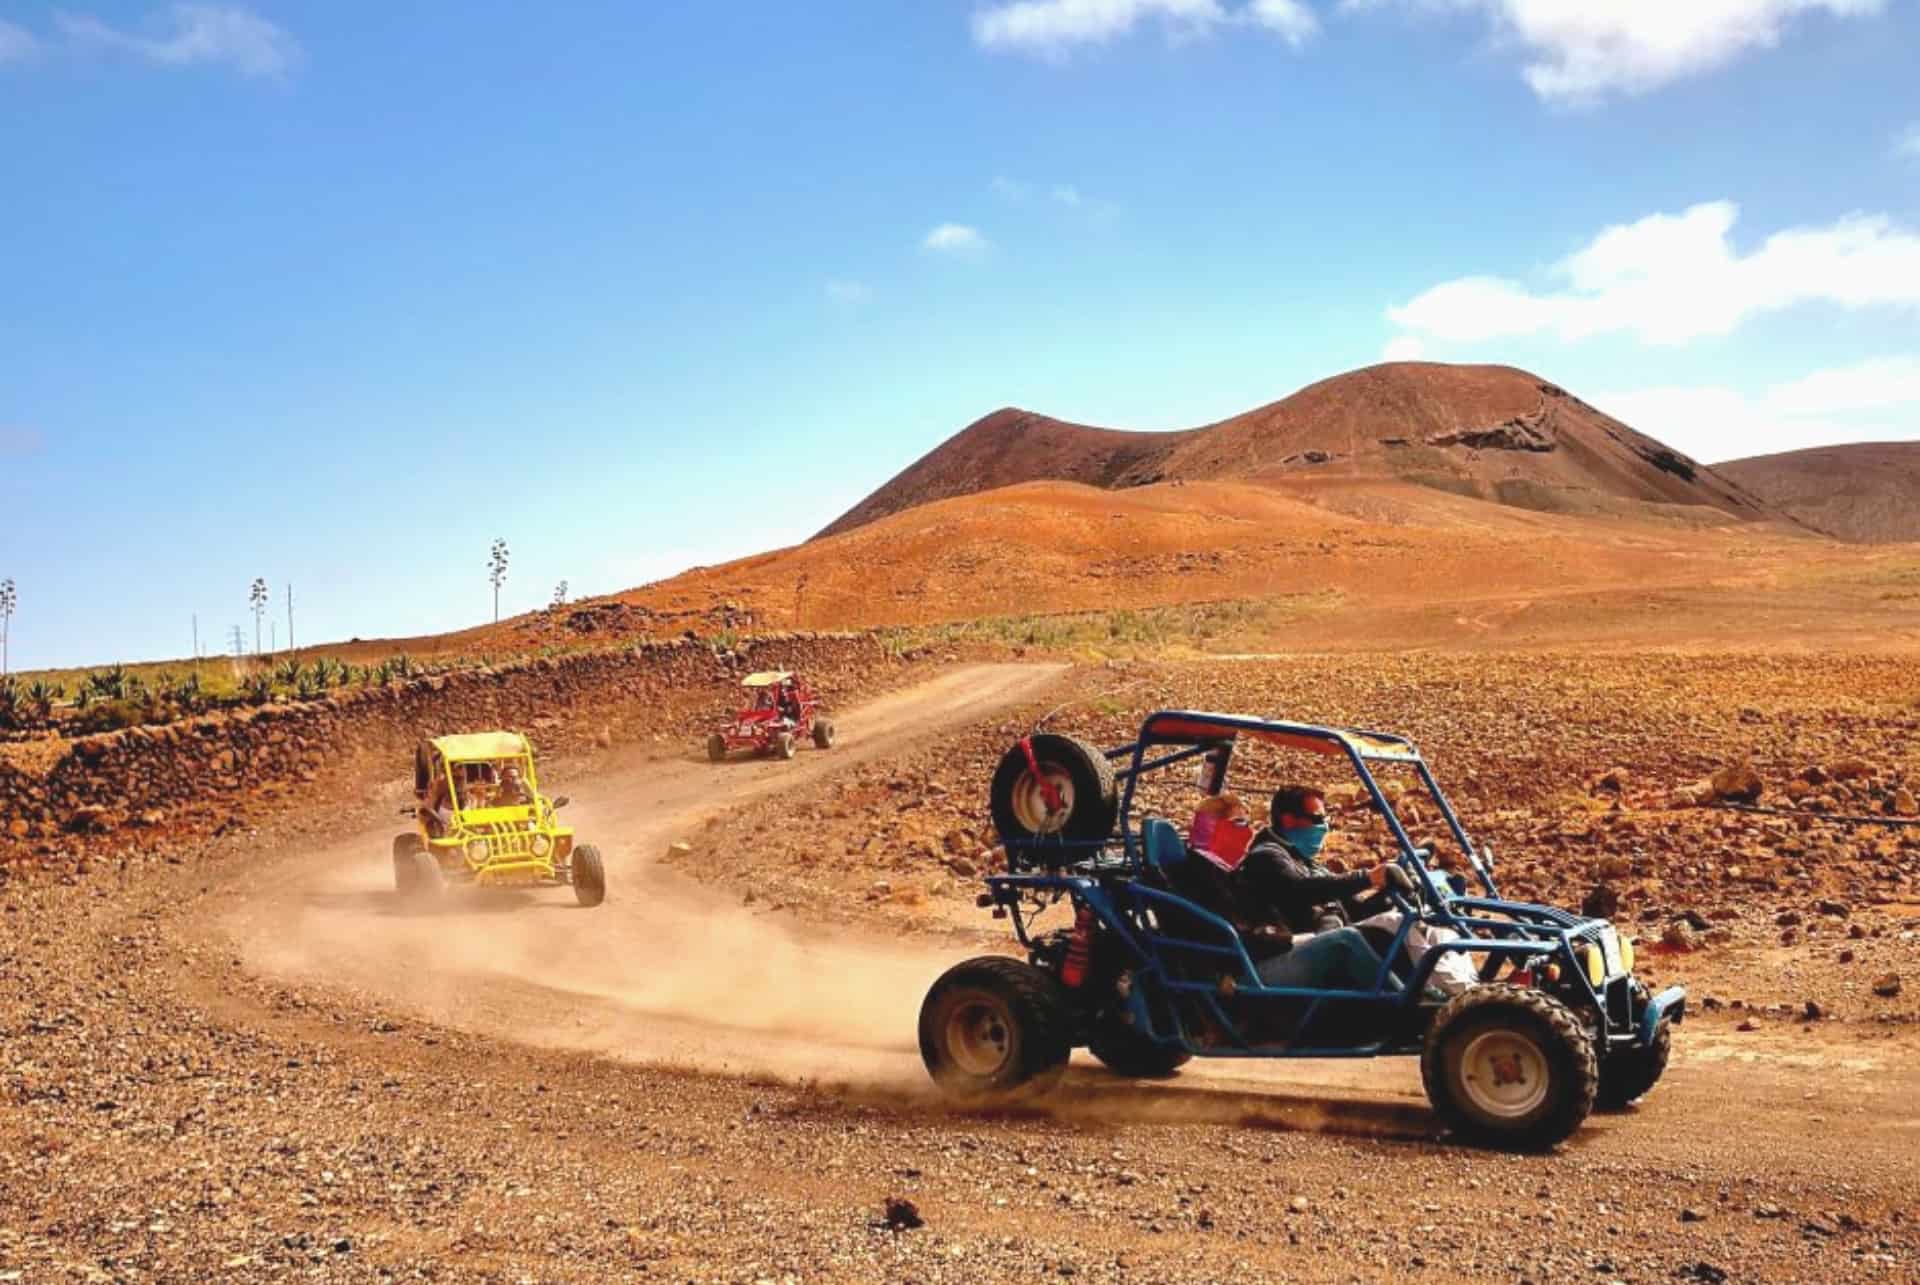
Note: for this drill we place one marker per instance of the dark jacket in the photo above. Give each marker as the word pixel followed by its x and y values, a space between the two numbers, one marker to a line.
pixel 1294 890
pixel 1208 886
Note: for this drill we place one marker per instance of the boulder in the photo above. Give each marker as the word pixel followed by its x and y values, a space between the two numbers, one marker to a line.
pixel 1737 783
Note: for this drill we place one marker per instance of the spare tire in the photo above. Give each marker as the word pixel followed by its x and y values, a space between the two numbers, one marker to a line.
pixel 1082 780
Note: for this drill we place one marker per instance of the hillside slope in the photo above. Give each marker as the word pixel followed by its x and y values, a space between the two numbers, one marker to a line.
pixel 1867 492
pixel 1491 432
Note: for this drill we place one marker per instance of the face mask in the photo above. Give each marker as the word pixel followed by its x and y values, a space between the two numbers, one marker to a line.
pixel 1307 840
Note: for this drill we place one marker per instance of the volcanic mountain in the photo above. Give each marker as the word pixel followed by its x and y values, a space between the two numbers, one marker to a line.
pixel 1489 432
pixel 1868 492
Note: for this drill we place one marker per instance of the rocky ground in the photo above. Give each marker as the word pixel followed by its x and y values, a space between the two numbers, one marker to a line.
pixel 172 1114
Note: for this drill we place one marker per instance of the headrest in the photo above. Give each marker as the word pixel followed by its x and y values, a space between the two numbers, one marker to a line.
pixel 1161 839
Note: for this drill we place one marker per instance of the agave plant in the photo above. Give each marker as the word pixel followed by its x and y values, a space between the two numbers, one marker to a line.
pixel 111 683
pixel 186 691
pixel 286 673
pixel 257 688
pixel 13 704
pixel 404 666
pixel 40 696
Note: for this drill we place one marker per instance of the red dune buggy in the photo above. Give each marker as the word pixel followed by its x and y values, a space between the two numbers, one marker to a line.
pixel 780 709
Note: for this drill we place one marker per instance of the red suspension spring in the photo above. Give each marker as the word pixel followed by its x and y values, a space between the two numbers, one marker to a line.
pixel 1074 970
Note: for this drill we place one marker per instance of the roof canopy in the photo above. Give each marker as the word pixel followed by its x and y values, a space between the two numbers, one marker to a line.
pixel 482 745
pixel 1193 727
pixel 766 678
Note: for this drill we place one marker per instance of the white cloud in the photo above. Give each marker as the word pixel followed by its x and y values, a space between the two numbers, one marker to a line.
pixel 1581 49
pixel 1404 348
pixel 1873 400
pixel 1906 143
pixel 848 293
pixel 1670 278
pixel 1066 194
pixel 16 43
pixel 1050 27
pixel 955 238
pixel 191 34
pixel 1008 189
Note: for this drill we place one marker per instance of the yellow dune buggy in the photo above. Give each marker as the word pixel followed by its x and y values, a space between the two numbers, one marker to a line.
pixel 480 819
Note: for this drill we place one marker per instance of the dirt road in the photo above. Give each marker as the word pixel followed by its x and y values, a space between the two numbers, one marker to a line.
pixel 274 1071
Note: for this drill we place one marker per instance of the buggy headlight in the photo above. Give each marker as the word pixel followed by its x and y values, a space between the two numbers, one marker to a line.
pixel 1595 965
pixel 477 850
pixel 542 845
pixel 1626 954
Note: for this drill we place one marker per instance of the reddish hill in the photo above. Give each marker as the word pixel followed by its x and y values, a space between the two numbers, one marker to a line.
pixel 1869 492
pixel 1492 432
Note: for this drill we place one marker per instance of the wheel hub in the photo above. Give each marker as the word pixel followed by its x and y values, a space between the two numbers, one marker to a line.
pixel 980 1037
pixel 1504 1073
pixel 1030 800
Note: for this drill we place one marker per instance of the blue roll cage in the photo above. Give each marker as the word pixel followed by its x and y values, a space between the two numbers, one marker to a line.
pixel 1113 888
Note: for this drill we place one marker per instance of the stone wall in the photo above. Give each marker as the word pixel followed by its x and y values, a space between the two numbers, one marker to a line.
pixel 193 776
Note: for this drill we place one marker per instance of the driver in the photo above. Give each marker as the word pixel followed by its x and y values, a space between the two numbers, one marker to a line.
pixel 1283 866
pixel 513 788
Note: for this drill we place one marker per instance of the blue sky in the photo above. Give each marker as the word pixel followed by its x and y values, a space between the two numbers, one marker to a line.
pixel 336 293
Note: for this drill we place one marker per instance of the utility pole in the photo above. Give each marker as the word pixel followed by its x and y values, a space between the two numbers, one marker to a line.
pixel 9 599
pixel 239 642
pixel 196 635
pixel 273 638
pixel 290 646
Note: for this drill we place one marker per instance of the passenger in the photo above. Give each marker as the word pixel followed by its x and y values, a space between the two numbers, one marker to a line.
pixel 1221 831
pixel 478 791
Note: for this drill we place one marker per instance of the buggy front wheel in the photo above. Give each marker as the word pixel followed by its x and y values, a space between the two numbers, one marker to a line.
pixel 994 1028
pixel 823 733
pixel 417 876
pixel 588 875
pixel 1510 1067
pixel 716 747
pixel 405 848
pixel 784 745
pixel 1629 1074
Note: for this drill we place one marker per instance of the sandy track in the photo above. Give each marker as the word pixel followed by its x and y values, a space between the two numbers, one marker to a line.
pixel 667 970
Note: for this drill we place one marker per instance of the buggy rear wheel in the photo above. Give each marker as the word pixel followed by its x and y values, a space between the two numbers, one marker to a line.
pixel 588 875
pixel 716 747
pixel 1080 779
pixel 823 733
pixel 784 745
pixel 1510 1067
pixel 995 1028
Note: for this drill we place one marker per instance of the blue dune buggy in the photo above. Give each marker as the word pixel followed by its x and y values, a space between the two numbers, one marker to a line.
pixel 1147 978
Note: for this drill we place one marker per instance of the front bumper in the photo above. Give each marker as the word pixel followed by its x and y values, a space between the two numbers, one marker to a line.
pixel 1670 1005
